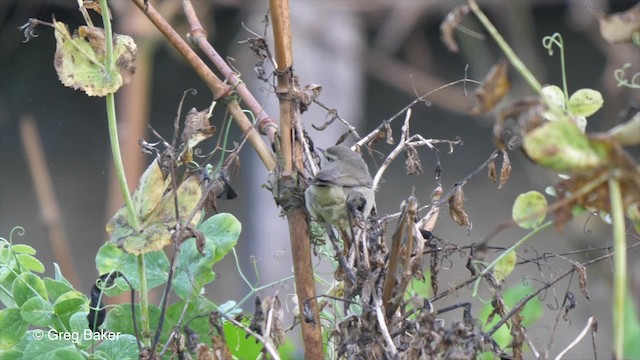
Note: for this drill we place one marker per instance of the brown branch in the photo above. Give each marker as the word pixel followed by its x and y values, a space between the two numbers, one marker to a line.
pixel 289 182
pixel 266 125
pixel 50 213
pixel 221 91
pixel 284 59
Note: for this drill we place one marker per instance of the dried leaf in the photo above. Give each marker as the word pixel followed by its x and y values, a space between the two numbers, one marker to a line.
pixel 456 203
pixel 494 87
pixel 306 96
pixel 196 127
pixel 93 5
pixel 258 319
pixel 528 113
pixel 80 60
pixel 492 170
pixel 620 27
pixel 449 25
pixel 582 279
pixel 272 307
pixel 505 170
pixel 412 161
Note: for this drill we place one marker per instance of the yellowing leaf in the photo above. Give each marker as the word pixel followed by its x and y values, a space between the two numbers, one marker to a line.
pixel 585 102
pixel 155 230
pixel 561 146
pixel 529 210
pixel 151 187
pixel 505 266
pixel 80 60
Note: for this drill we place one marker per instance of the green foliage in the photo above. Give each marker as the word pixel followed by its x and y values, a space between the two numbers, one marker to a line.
pixel 59 313
pixel 221 233
pixel 631 330
pixel 529 210
pixel 110 257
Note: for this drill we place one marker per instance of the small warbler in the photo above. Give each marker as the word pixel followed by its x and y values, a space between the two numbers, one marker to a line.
pixel 343 181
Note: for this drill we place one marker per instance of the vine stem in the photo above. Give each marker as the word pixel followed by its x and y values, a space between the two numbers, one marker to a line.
pixel 620 267
pixel 504 253
pixel 513 58
pixel 119 168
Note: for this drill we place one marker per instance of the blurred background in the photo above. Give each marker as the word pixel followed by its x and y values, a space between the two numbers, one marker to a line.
pixel 371 58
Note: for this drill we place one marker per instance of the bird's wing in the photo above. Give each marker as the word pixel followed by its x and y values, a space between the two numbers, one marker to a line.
pixel 331 175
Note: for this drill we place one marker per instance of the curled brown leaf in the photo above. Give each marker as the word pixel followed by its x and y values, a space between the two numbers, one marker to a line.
pixel 456 204
pixel 505 170
pixel 493 89
pixel 449 25
pixel 582 279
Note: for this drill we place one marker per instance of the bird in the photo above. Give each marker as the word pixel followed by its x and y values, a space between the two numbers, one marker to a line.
pixel 343 183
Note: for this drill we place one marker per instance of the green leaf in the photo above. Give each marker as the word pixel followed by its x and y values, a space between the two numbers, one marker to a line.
pixel 52 349
pixel 24 286
pixel 631 330
pixel 223 230
pixel 119 319
pixel 78 323
pixel 12 328
pixel 56 288
pixel 561 146
pixel 37 311
pixel 23 249
pixel 7 277
pixel 10 355
pixel 505 266
pixel 529 210
pixel 554 96
pixel 70 303
pixel 194 270
pixel 58 275
pixel 28 262
pixel 123 347
pixel 585 102
pixel 110 257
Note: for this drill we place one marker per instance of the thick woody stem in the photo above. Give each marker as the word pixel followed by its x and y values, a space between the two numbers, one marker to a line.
pixel 298 224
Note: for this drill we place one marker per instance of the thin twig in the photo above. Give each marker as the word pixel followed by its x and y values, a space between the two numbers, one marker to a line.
pixel 591 323
pixel 383 327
